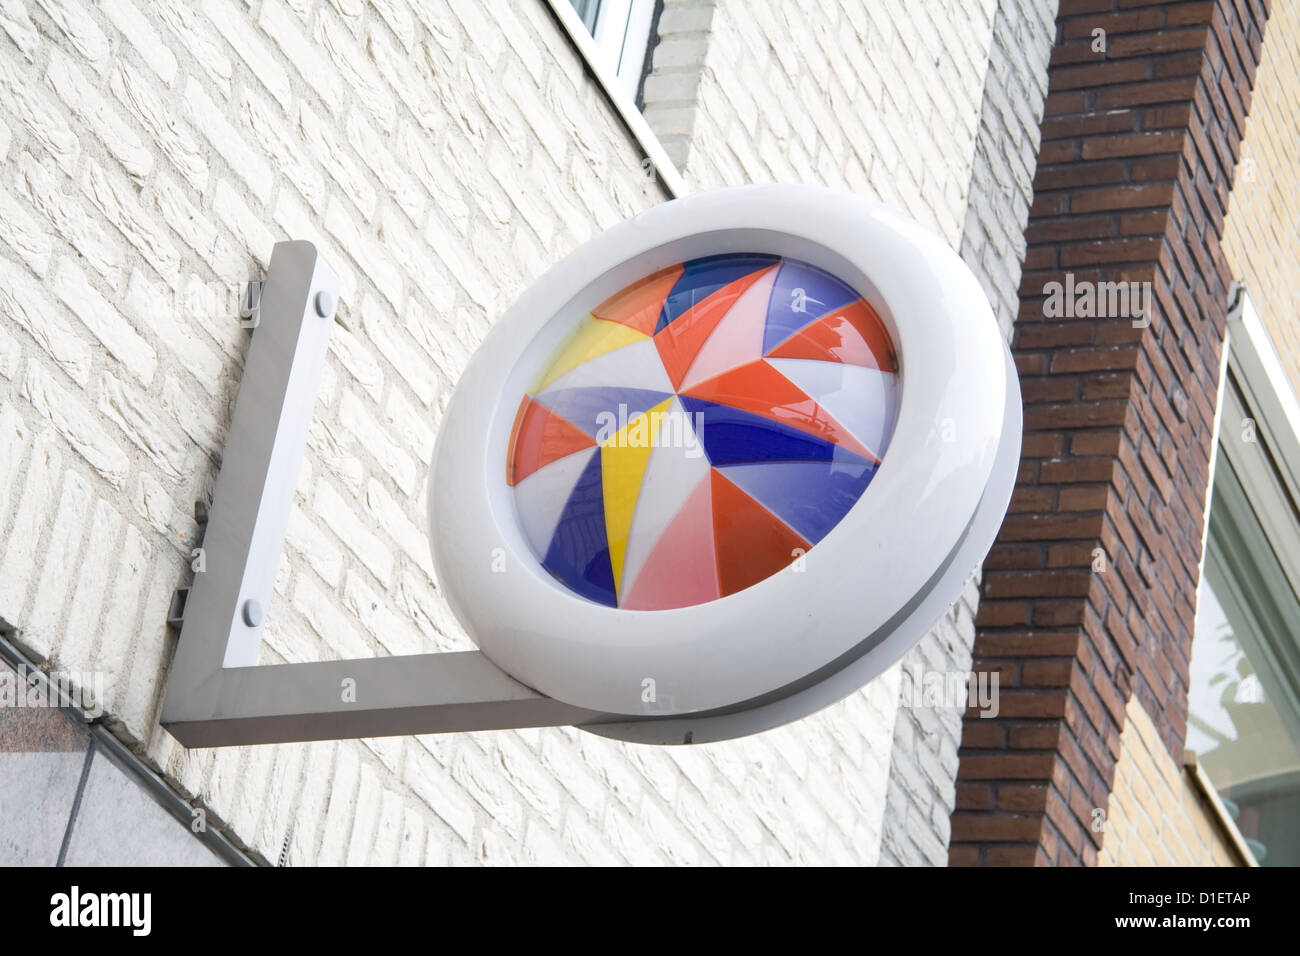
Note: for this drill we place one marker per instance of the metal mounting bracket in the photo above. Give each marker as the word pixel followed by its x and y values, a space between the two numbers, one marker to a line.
pixel 217 693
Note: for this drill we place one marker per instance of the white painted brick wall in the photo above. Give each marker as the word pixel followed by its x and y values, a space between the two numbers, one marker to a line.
pixel 922 786
pixel 442 155
pixel 931 106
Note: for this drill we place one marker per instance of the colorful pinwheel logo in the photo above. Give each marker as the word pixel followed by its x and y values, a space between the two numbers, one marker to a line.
pixel 701 430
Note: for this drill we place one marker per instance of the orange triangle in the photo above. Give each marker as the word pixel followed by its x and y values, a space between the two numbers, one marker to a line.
pixel 853 335
pixel 759 388
pixel 681 340
pixel 752 543
pixel 540 437
pixel 638 306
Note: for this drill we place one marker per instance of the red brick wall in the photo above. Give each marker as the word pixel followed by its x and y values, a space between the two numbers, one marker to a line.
pixel 1134 173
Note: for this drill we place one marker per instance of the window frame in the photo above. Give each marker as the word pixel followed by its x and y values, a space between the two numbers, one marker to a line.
pixel 1257 541
pixel 620 29
pixel 1257 388
pixel 597 65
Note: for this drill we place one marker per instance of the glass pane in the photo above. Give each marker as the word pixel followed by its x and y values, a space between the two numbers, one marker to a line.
pixel 1241 723
pixel 119 824
pixel 42 752
pixel 588 10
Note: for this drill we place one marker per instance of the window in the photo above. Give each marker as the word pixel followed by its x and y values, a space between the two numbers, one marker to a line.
pixel 1244 719
pixel 621 29
pixel 1244 700
pixel 71 795
pixel 613 39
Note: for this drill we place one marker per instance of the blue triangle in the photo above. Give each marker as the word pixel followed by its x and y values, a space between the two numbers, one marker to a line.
pixel 810 496
pixel 579 551
pixel 801 295
pixel 731 437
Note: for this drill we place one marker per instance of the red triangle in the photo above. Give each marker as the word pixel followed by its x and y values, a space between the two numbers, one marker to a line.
pixel 681 340
pixel 853 335
pixel 540 437
pixel 760 389
pixel 751 542
pixel 638 306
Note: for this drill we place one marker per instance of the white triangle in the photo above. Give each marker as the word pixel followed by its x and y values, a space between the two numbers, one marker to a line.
pixel 863 400
pixel 677 466
pixel 540 498
pixel 633 366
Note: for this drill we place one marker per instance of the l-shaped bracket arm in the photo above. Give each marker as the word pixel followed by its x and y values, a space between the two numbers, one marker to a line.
pixel 217 692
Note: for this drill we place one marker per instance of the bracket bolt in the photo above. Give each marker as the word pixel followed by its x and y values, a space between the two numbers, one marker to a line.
pixel 253 615
pixel 324 304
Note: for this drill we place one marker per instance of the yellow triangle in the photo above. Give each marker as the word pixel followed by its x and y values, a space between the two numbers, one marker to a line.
pixel 594 338
pixel 623 460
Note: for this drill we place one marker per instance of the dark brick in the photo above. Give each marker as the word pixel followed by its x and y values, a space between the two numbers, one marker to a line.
pixel 1132 185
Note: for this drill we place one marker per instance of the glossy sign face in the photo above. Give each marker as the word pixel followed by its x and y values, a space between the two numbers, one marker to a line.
pixel 701 430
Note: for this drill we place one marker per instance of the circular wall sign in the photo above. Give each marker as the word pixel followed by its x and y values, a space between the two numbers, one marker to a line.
pixel 726 461
pixel 701 430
